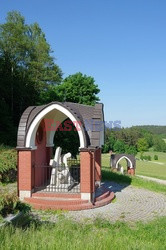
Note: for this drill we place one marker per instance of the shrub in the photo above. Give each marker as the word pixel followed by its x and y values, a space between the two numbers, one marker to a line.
pixel 8 161
pixel 156 157
pixel 10 204
pixel 141 157
pixel 145 157
pixel 149 158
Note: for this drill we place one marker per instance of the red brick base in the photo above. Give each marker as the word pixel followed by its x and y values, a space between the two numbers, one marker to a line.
pixel 67 202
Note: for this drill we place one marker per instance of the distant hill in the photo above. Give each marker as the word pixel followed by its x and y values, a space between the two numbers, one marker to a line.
pixel 158 130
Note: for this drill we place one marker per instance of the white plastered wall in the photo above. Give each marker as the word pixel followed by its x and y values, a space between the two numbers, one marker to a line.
pixel 58 113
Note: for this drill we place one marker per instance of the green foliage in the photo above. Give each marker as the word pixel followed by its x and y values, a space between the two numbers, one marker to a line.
pixel 10 204
pixel 141 156
pixel 145 157
pixel 149 158
pixel 27 70
pixel 8 161
pixel 159 144
pixel 109 141
pixel 122 141
pixel 65 139
pixel 130 150
pixel 119 147
pixel 130 136
pixel 142 145
pixel 156 157
pixel 78 88
pixel 158 130
pixel 135 139
pixel 29 76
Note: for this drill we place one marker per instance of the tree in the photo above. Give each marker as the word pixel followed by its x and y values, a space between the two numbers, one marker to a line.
pixel 142 145
pixel 67 140
pixel 27 69
pixel 159 144
pixel 130 150
pixel 119 147
pixel 78 88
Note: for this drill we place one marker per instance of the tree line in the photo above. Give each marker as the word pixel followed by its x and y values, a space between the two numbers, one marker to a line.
pixel 132 140
pixel 30 76
pixel 155 129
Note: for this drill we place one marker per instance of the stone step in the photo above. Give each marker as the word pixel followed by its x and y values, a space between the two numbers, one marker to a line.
pixel 103 196
pixel 70 205
pixel 57 195
pixel 55 201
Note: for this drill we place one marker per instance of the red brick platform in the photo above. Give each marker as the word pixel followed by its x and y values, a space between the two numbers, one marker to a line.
pixel 70 202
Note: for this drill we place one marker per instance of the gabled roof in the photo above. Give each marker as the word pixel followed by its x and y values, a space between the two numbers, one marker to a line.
pixel 91 118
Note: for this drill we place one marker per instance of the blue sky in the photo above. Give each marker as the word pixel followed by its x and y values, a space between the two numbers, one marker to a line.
pixel 121 43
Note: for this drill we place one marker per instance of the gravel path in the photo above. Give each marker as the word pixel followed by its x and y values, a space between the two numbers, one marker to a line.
pixel 131 204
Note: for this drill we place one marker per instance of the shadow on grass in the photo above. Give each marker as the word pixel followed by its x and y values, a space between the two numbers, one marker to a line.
pixel 118 181
pixel 109 175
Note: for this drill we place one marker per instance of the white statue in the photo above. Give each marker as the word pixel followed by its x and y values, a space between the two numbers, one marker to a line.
pixel 59 175
pixel 55 163
pixel 122 170
pixel 63 176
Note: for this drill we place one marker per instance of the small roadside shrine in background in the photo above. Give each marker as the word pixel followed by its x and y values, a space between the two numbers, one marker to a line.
pixel 116 166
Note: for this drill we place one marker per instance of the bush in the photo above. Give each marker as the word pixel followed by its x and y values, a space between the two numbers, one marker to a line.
pixel 141 157
pixel 145 157
pixel 149 158
pixel 156 157
pixel 10 204
pixel 8 162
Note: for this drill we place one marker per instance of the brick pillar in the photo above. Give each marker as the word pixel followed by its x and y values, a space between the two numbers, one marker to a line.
pixel 128 170
pixel 98 166
pixel 131 171
pixel 25 161
pixel 87 174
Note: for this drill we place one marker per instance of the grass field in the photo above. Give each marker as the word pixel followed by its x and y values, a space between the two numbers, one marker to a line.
pixel 152 168
pixel 70 235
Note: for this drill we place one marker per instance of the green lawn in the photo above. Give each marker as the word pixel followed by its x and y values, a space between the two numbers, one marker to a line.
pixel 155 169
pixel 70 235
pixel 159 171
